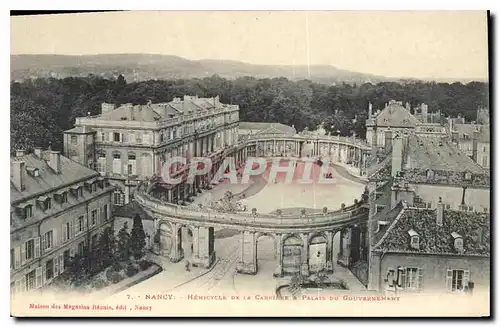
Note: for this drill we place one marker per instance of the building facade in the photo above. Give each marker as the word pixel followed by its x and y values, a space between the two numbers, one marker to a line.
pixel 58 210
pixel 129 143
pixel 429 219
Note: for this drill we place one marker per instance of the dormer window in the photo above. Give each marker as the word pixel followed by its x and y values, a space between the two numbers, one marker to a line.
pixel 44 202
pixel 74 191
pixel 61 197
pixel 458 242
pixel 89 186
pixel 34 172
pixel 25 210
pixel 414 239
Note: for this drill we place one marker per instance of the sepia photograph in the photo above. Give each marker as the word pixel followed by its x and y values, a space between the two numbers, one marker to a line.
pixel 250 164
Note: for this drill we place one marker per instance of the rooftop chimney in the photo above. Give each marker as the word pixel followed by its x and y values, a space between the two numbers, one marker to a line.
pixel 55 161
pixel 19 153
pixel 440 212
pixel 107 107
pixel 388 140
pixel 370 110
pixel 424 112
pixel 38 152
pixel 129 111
pixel 18 175
pixel 475 137
pixel 397 156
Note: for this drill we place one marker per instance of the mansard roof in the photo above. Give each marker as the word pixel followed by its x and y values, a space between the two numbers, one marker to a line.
pixel 395 115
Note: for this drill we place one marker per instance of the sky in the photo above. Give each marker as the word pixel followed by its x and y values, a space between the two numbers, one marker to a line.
pixel 439 44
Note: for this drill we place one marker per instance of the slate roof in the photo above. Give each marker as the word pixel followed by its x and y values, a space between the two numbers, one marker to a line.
pixel 143 113
pixel 395 115
pixel 71 172
pixel 435 239
pixel 130 210
pixel 267 128
pixel 438 154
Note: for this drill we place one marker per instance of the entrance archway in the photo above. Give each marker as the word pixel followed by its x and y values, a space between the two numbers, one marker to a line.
pixel 265 253
pixel 292 255
pixel 317 253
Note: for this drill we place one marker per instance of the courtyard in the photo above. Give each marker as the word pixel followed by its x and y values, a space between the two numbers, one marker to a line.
pixel 222 277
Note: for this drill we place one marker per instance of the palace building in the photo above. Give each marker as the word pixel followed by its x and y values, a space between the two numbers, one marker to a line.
pixel 58 209
pixel 129 143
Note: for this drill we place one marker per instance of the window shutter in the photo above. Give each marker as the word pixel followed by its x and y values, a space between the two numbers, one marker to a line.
pixel 61 263
pixel 98 221
pixel 17 257
pixel 63 237
pixel 37 247
pixel 17 286
pixel 75 227
pixel 71 229
pixel 55 239
pixel 449 278
pixel 111 137
pixel 85 222
pixel 466 278
pixel 56 266
pixel 124 137
pixel 44 242
pixel 44 275
pixel 38 277
pixel 420 279
pixel 403 278
pixel 23 254
pixel 23 284
pixel 122 199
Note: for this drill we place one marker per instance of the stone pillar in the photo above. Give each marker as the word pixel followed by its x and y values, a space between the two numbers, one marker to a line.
pixel 345 239
pixel 248 260
pixel 203 247
pixel 176 253
pixel 279 256
pixel 304 268
pixel 329 251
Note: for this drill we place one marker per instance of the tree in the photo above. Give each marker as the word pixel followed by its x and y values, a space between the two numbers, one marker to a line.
pixel 107 246
pixel 77 268
pixel 123 243
pixel 137 241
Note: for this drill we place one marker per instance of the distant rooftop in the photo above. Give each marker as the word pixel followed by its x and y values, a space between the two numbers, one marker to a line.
pixel 267 128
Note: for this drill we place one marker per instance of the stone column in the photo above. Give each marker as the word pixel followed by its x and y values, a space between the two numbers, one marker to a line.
pixel 304 268
pixel 343 260
pixel 176 253
pixel 279 256
pixel 203 247
pixel 248 261
pixel 329 251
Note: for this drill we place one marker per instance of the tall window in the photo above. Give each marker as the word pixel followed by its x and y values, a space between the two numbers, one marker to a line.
pixel 105 212
pixel 66 229
pixel 30 280
pixel 101 162
pixel 456 280
pixel 28 211
pixel 116 137
pixel 49 269
pixel 118 198
pixel 81 248
pixel 117 163
pixel 30 249
pixel 80 224
pixel 94 217
pixel 131 166
pixel 47 240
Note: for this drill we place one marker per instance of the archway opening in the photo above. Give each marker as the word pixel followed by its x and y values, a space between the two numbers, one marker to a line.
pixel 292 255
pixel 318 252
pixel 186 234
pixel 266 254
